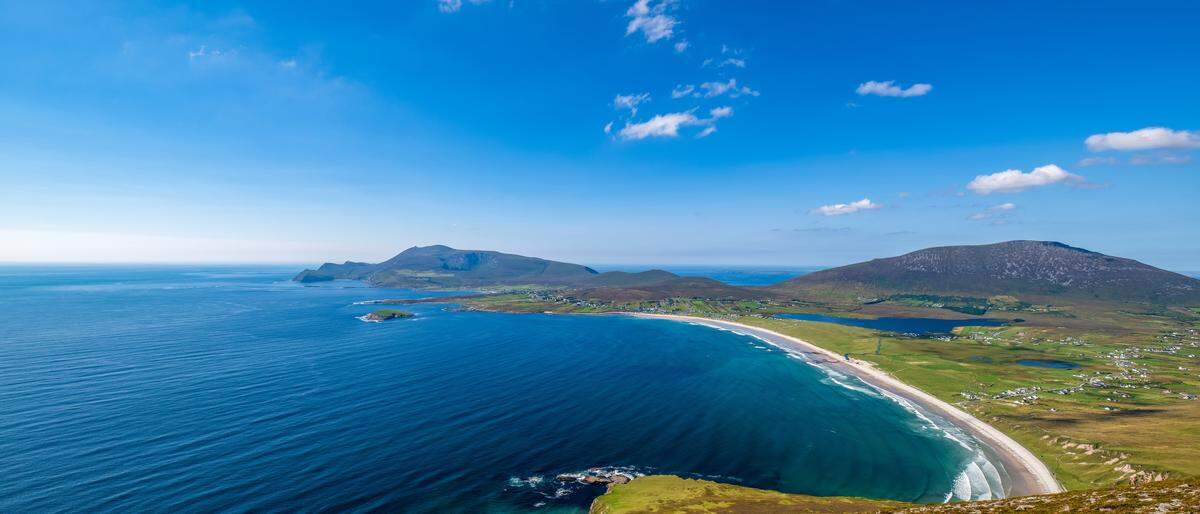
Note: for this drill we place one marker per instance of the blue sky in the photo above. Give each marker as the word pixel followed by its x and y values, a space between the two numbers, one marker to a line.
pixel 799 133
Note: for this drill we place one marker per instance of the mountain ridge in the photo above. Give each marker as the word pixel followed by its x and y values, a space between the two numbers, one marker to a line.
pixel 440 266
pixel 1020 267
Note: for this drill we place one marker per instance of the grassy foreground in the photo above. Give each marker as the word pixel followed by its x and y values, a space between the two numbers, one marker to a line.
pixel 669 494
pixel 665 493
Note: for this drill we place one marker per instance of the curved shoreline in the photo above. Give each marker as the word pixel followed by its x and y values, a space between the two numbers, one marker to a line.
pixel 1027 475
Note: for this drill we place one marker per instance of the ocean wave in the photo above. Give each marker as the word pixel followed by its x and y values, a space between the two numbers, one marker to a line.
pixel 974 483
pixel 531 481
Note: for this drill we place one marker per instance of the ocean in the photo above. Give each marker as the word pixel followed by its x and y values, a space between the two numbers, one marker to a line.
pixel 196 389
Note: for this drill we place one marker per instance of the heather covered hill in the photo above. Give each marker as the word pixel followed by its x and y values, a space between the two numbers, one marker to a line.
pixel 627 279
pixel 674 287
pixel 444 267
pixel 1018 268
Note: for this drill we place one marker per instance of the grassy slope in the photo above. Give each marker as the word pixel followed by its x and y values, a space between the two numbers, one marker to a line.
pixel 664 494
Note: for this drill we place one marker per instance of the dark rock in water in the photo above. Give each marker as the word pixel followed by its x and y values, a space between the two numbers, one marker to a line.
pixel 596 476
pixel 386 314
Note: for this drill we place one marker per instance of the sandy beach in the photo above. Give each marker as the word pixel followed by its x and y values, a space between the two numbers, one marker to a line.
pixel 1027 474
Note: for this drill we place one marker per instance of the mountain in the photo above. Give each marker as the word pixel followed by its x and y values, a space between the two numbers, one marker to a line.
pixel 440 266
pixel 1018 268
pixel 627 279
pixel 674 286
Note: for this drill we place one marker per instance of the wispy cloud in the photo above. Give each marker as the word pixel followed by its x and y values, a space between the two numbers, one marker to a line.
pixel 839 209
pixel 669 125
pixel 1097 161
pixel 993 211
pixel 662 125
pixel 889 88
pixel 713 89
pixel 651 20
pixel 721 112
pixel 1162 158
pixel 449 6
pixel 1149 138
pixel 630 102
pixel 1015 181
pixel 204 53
pixel 683 90
pixel 681 46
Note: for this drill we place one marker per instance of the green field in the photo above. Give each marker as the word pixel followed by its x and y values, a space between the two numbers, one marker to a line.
pixel 667 494
pixel 662 493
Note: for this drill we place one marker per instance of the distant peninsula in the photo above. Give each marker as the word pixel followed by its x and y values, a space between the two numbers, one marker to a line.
pixel 1008 276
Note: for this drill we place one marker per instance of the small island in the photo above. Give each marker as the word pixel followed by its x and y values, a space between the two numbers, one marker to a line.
pixel 385 314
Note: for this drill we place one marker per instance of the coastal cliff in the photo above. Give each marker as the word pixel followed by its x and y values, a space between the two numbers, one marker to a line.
pixel 664 493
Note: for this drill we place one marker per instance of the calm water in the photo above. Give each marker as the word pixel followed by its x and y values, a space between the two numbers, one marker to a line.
pixel 734 275
pixel 1048 363
pixel 919 326
pixel 201 389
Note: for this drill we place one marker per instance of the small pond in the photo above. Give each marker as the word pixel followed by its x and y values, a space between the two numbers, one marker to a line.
pixel 918 326
pixel 1048 363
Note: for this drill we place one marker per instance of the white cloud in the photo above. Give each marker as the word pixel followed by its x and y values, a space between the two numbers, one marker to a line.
pixel 1165 158
pixel 839 209
pixel 608 127
pixel 1149 138
pixel 1014 181
pixel 1096 161
pixel 204 53
pixel 682 90
pixel 713 89
pixel 668 125
pixel 681 46
pixel 289 63
pixel 740 63
pixel 449 6
pixel 651 21
pixel 992 211
pixel 889 88
pixel 662 125
pixel 630 102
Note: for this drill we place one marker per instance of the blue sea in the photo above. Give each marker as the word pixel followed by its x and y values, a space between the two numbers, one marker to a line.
pixel 733 275
pixel 197 389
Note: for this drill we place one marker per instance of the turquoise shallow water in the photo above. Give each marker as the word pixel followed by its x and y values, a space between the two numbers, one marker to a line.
pixel 201 389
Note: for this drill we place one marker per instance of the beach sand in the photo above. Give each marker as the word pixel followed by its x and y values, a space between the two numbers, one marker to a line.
pixel 1026 474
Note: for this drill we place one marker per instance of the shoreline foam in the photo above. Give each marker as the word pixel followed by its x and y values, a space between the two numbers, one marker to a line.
pixel 1026 474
